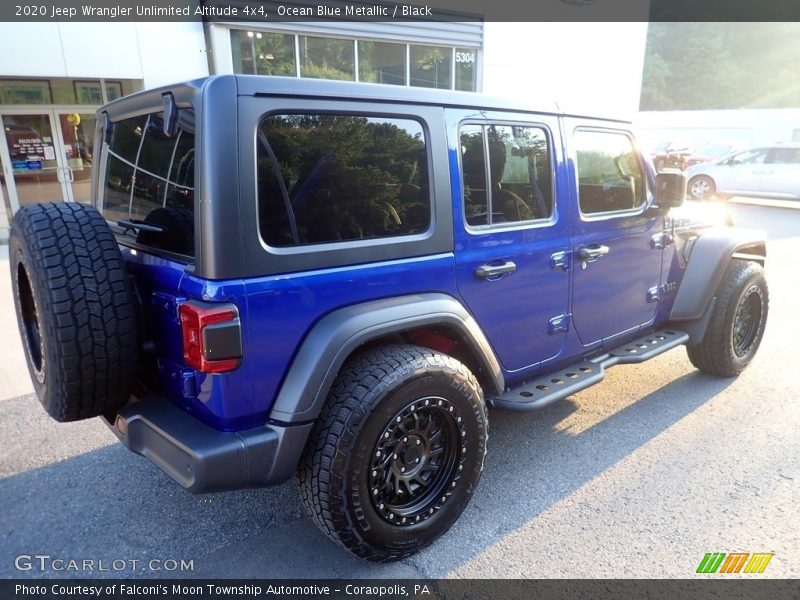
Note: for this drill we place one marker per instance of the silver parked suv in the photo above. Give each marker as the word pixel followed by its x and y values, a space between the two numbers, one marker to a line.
pixel 768 171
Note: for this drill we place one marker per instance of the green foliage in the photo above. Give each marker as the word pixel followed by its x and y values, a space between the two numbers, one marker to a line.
pixel 721 65
pixel 347 177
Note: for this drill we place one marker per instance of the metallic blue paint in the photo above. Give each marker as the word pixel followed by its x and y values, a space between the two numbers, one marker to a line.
pixel 605 301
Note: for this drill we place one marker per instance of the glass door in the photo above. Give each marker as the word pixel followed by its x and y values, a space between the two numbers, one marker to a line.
pixel 33 161
pixel 76 134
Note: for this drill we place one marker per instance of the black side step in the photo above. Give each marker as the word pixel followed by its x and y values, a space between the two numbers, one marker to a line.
pixel 547 389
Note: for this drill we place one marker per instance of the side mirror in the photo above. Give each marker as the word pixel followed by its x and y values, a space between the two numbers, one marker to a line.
pixel 670 189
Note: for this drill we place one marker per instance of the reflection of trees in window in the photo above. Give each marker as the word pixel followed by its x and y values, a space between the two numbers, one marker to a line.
pixel 518 165
pixel 609 175
pixel 262 53
pixel 466 74
pixel 430 66
pixel 327 58
pixel 344 177
pixel 380 62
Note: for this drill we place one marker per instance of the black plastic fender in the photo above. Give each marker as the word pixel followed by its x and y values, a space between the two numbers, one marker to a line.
pixel 337 335
pixel 710 255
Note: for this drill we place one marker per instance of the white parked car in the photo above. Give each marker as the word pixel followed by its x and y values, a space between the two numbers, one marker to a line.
pixel 767 171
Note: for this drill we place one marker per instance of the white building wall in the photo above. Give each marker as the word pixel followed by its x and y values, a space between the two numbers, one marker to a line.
pixel 590 68
pixel 156 53
pixel 746 127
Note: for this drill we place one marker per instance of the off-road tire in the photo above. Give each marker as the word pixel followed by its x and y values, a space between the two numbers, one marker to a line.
pixel 337 477
pixel 743 289
pixel 74 308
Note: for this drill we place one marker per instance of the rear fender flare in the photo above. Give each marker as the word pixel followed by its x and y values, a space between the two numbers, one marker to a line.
pixel 336 336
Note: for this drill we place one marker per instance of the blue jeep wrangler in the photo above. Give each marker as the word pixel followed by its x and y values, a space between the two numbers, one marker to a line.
pixel 337 280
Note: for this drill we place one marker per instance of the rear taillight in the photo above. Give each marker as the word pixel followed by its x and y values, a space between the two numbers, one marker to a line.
pixel 212 336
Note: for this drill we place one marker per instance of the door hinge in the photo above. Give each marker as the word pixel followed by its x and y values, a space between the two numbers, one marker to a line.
pixel 657 292
pixel 560 260
pixel 659 241
pixel 559 324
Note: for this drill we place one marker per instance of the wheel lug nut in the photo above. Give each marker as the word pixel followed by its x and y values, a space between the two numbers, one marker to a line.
pixel 374 473
pixel 405 439
pixel 440 402
pixel 427 402
pixel 451 409
pixel 418 442
pixel 404 520
pixel 453 484
pixel 381 505
pixel 375 492
pixel 417 519
pixel 386 435
pixel 460 467
pixel 458 419
pixel 430 511
pixel 416 460
pixel 391 516
pixel 444 498
pixel 413 407
pixel 402 469
pixel 378 453
pixel 397 419
pixel 394 456
pixel 463 433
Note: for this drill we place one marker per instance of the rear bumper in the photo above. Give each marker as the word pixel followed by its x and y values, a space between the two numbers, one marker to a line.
pixel 203 459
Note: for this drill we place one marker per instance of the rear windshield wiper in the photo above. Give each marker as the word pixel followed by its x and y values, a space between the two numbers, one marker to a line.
pixel 137 225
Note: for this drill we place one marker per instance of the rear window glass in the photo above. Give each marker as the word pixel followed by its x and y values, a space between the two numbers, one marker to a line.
pixel 149 181
pixel 341 178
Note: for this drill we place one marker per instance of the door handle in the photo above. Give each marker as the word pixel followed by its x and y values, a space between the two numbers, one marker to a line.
pixel 489 270
pixel 71 175
pixel 592 252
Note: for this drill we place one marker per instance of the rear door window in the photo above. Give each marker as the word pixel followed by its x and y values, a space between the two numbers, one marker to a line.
pixel 148 187
pixel 512 185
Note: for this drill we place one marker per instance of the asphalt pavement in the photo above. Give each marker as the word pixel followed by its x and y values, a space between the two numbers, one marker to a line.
pixel 639 476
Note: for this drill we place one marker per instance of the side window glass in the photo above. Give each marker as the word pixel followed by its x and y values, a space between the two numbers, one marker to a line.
pixel 610 177
pixel 506 174
pixel 332 178
pixel 154 183
pixel 787 156
pixel 749 157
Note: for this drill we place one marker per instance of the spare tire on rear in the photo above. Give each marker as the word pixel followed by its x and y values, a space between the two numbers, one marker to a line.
pixel 75 309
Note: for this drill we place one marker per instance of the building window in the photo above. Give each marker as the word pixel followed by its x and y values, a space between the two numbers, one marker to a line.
pixel 466 69
pixel 113 90
pixel 389 63
pixel 25 92
pixel 62 90
pixel 327 58
pixel 380 62
pixel 88 92
pixel 263 53
pixel 430 66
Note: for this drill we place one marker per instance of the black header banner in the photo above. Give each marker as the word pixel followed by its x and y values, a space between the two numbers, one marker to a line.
pixel 277 11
